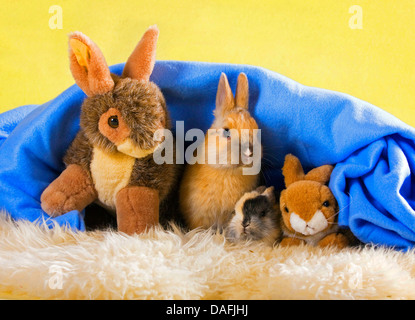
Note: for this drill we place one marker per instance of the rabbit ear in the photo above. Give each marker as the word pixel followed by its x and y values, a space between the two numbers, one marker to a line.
pixel 141 62
pixel 292 170
pixel 242 91
pixel 224 97
pixel 88 65
pixel 321 174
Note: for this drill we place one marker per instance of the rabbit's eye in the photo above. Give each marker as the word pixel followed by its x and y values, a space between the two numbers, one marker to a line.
pixel 286 209
pixel 263 213
pixel 113 121
pixel 326 203
pixel 226 133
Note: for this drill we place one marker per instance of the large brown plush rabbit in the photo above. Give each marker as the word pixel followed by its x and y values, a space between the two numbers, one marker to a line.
pixel 110 161
pixel 209 191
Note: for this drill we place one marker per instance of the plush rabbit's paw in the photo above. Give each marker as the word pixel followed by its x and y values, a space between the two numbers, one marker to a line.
pixel 72 190
pixel 56 202
pixel 286 242
pixel 137 209
pixel 334 240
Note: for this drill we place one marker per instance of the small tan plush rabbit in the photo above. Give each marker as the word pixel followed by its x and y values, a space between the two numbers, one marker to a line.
pixel 110 160
pixel 210 189
pixel 309 208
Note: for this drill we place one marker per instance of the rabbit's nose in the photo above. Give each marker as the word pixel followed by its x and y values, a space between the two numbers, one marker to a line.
pixel 248 150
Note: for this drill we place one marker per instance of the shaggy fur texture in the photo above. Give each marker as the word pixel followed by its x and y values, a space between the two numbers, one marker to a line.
pixel 256 217
pixel 196 265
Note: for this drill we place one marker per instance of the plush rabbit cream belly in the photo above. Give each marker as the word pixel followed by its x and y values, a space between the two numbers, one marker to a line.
pixel 110 173
pixel 110 160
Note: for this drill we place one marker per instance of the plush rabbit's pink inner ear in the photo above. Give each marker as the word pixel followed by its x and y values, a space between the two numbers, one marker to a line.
pixel 141 62
pixel 88 65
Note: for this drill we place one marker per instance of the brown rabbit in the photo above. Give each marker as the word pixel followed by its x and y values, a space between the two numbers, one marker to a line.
pixel 309 208
pixel 209 191
pixel 110 159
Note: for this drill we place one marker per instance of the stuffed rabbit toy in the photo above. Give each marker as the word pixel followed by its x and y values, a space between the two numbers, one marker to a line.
pixel 110 160
pixel 309 208
pixel 209 191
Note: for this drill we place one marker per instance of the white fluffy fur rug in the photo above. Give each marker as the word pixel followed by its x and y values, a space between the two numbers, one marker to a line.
pixel 60 264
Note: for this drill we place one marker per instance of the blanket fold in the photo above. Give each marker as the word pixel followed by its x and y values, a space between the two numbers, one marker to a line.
pixel 374 152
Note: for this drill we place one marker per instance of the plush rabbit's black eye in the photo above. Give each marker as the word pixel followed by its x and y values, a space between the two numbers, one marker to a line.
pixel 326 203
pixel 286 209
pixel 113 122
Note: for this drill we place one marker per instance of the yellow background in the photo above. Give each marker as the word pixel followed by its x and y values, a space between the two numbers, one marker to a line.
pixel 308 41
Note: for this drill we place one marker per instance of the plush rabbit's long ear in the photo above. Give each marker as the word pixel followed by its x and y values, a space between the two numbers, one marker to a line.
pixel 292 170
pixel 242 91
pixel 224 97
pixel 141 62
pixel 88 65
pixel 321 174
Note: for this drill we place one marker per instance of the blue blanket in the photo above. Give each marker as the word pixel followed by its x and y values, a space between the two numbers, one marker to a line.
pixel 374 152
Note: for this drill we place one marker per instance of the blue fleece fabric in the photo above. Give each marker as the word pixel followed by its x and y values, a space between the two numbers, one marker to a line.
pixel 374 152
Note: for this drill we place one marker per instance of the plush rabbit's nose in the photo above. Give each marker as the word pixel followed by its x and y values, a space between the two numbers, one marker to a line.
pixel 317 223
pixel 128 147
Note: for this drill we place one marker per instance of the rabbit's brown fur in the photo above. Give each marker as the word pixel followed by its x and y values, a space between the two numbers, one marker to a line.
pixel 208 192
pixel 141 105
pixel 110 159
